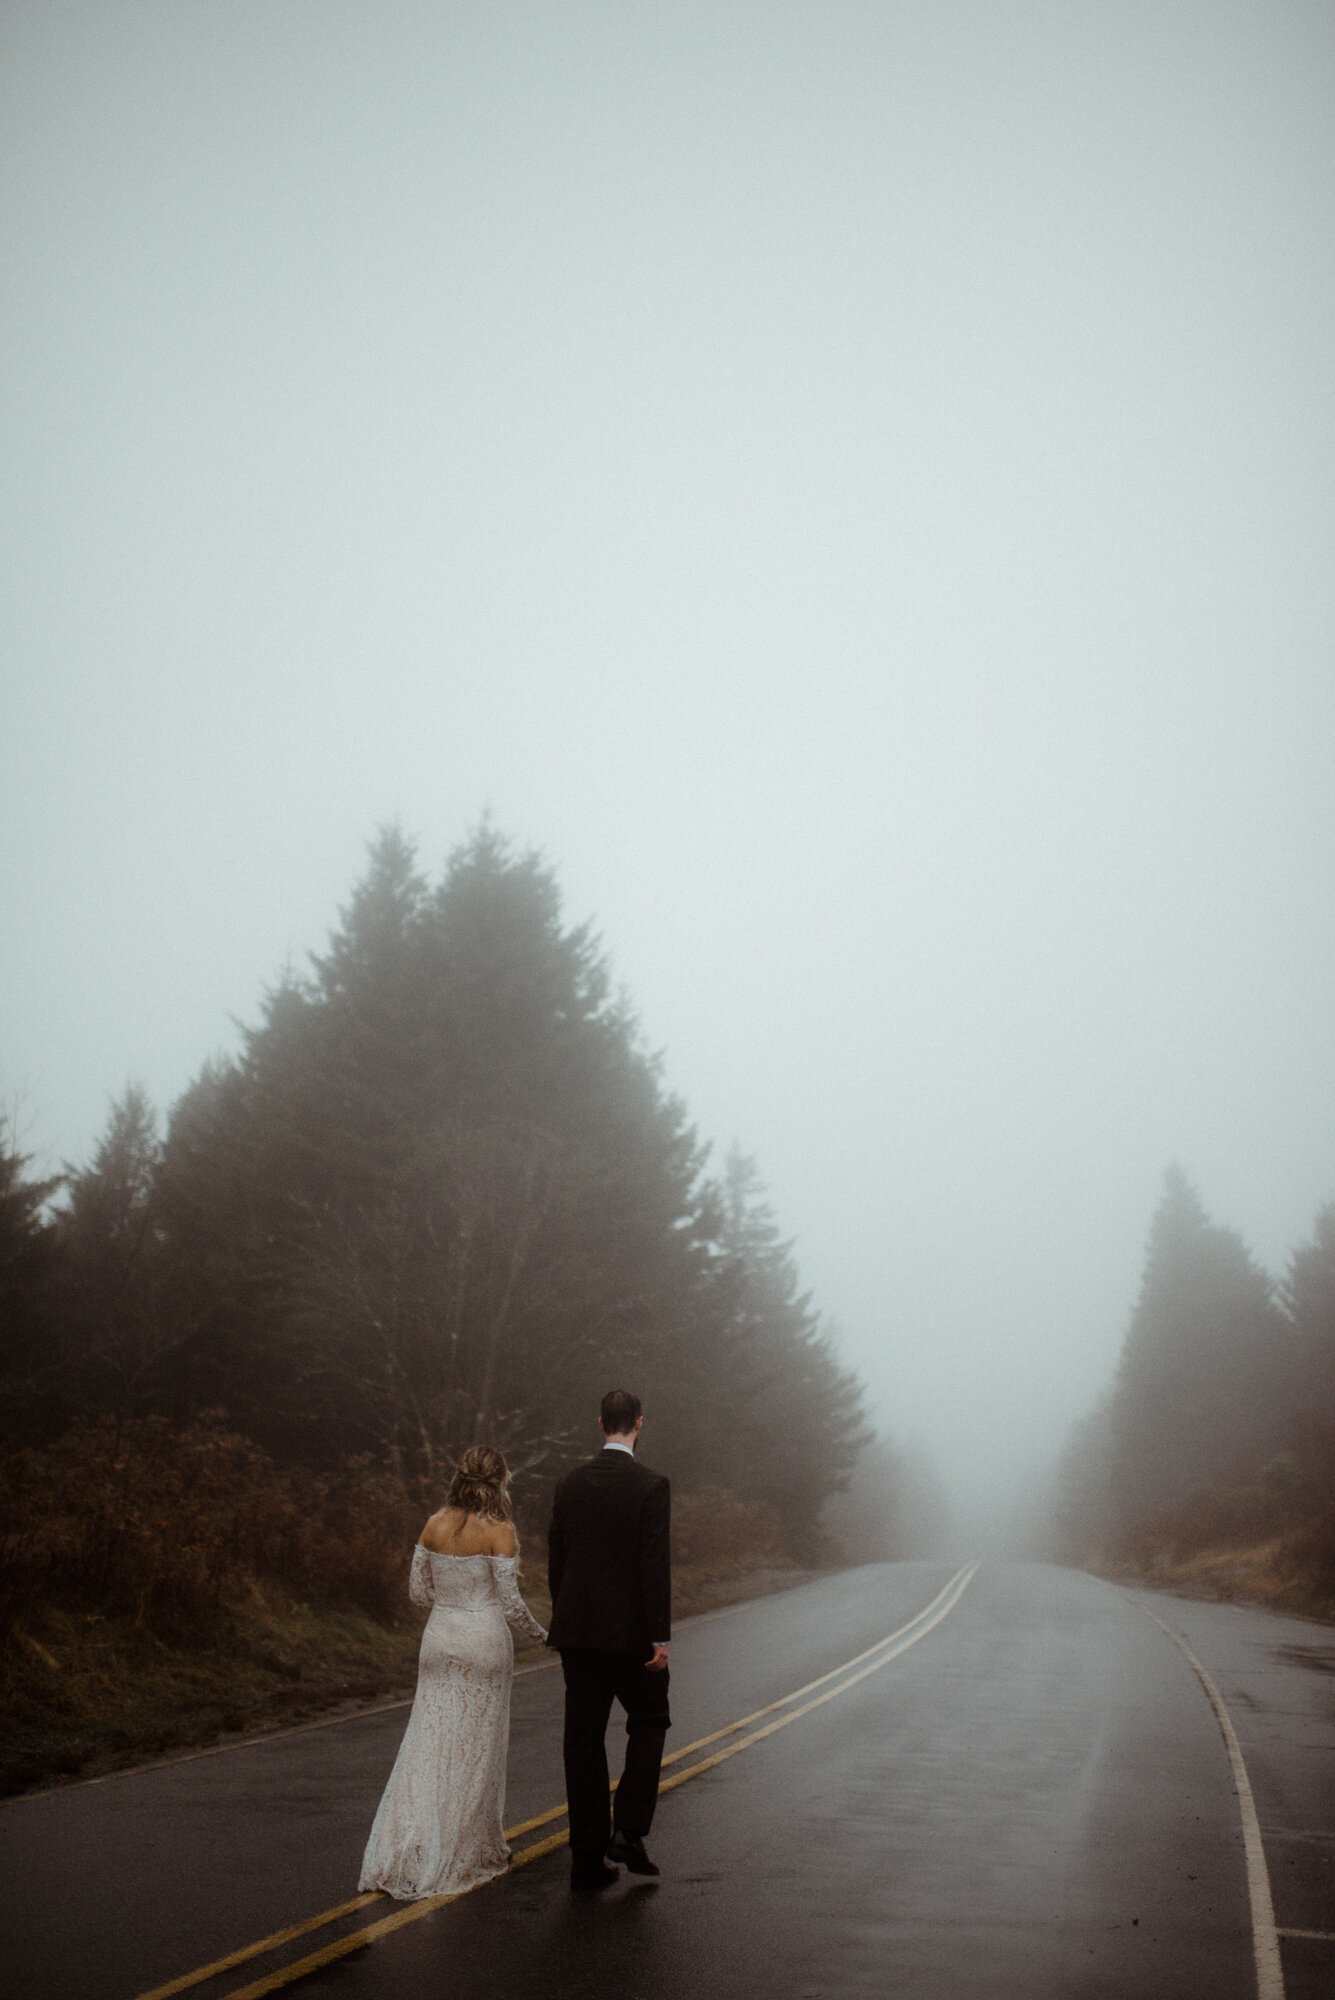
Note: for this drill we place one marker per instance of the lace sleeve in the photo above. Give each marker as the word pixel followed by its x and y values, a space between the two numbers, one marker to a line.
pixel 419 1579
pixel 518 1617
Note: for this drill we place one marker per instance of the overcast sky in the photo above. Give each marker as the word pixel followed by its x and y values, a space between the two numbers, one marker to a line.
pixel 851 482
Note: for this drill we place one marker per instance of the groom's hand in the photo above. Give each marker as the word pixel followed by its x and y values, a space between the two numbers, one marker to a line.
pixel 657 1660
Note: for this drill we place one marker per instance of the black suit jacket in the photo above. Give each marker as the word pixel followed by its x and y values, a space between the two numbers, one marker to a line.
pixel 608 1564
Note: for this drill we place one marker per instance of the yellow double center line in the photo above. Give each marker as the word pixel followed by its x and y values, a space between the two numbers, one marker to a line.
pixel 813 1695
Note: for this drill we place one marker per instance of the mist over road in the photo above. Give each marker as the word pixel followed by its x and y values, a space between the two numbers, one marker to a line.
pixel 1031 1798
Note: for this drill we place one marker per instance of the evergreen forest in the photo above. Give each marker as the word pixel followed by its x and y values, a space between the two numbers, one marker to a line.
pixel 1210 1462
pixel 440 1195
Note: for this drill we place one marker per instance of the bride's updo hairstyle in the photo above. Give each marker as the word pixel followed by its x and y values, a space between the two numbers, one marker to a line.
pixel 480 1485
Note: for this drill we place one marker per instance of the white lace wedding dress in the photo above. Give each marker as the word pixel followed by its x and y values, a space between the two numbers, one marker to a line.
pixel 438 1827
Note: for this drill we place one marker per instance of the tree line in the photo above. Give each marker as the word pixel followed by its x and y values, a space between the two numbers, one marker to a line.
pixel 440 1194
pixel 1219 1424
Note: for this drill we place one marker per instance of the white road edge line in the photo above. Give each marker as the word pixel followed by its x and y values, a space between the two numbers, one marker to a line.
pixel 1265 1936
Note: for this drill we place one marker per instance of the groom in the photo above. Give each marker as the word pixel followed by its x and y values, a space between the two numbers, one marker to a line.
pixel 610 1577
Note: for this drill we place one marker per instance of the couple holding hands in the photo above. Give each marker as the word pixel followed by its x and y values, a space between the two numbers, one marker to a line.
pixel 438 1828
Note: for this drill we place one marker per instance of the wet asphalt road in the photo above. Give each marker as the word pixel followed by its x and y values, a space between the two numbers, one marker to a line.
pixel 1034 1800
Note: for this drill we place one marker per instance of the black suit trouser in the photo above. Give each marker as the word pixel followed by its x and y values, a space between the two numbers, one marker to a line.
pixel 594 1681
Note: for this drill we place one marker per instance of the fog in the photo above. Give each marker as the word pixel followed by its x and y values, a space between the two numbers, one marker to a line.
pixel 852 484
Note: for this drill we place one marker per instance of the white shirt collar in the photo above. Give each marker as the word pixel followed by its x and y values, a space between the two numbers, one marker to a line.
pixel 611 1444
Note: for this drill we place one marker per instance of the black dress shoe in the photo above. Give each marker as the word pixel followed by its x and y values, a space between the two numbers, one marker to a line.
pixel 628 1848
pixel 590 1875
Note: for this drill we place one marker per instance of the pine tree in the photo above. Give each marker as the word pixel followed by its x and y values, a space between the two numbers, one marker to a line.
pixel 1081 1496
pixel 798 1415
pixel 117 1326
pixel 443 1193
pixel 1308 1298
pixel 1202 1395
pixel 29 1261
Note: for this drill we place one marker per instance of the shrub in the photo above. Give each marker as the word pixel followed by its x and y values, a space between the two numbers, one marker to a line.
pixel 177 1527
pixel 170 1526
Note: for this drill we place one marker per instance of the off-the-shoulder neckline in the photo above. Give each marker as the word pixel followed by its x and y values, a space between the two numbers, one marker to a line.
pixel 478 1555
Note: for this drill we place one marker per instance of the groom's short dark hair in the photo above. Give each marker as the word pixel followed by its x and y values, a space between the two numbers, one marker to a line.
pixel 618 1412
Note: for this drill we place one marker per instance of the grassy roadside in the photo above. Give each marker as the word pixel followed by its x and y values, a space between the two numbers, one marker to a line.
pixel 1262 1572
pixel 85 1693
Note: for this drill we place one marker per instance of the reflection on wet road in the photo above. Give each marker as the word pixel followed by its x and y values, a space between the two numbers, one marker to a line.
pixel 899 1779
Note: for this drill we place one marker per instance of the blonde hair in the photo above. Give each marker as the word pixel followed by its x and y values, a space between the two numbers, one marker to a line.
pixel 479 1484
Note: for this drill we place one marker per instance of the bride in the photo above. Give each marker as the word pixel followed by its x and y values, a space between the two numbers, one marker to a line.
pixel 438 1827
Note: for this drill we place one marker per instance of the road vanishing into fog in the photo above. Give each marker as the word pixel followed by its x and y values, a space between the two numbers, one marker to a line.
pixel 922 1780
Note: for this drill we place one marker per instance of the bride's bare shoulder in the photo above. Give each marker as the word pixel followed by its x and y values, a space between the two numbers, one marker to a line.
pixel 501 1539
pixel 440 1531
